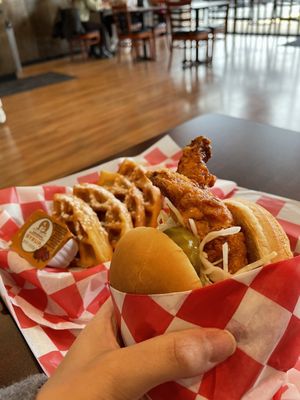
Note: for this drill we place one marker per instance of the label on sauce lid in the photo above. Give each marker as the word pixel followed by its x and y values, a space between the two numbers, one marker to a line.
pixel 40 238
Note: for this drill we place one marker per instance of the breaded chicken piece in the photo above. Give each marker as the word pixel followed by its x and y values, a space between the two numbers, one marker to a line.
pixel 237 257
pixel 193 161
pixel 208 212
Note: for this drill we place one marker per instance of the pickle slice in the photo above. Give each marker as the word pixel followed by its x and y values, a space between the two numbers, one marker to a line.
pixel 187 242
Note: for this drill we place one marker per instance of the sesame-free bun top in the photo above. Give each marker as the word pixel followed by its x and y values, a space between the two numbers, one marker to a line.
pixel 146 261
pixel 262 231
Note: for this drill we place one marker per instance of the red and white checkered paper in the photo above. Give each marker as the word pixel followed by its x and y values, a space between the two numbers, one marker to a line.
pixel 261 308
pixel 51 306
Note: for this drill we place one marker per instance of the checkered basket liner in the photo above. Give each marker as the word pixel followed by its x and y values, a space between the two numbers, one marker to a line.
pixel 261 308
pixel 52 305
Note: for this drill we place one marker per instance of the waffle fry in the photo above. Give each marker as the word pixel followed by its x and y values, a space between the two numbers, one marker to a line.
pixel 127 193
pixel 151 194
pixel 94 247
pixel 112 214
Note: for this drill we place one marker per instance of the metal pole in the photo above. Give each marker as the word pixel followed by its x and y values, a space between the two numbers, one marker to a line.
pixel 14 48
pixel 2 114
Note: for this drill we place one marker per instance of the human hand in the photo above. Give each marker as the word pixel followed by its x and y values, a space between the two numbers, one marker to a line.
pixel 96 368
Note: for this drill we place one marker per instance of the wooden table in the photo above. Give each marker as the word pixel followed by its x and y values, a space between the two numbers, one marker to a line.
pixel 256 156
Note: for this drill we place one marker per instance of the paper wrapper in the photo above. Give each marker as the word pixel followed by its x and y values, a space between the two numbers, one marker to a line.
pixel 51 306
pixel 261 308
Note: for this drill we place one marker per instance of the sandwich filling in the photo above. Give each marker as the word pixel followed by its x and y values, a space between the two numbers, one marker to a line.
pixel 209 272
pixel 219 248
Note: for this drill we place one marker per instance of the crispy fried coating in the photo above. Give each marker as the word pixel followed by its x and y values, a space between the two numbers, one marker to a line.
pixel 208 212
pixel 237 257
pixel 193 161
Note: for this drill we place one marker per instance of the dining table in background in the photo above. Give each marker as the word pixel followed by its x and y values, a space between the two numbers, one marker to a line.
pixel 204 7
pixel 254 155
pixel 199 5
pixel 148 10
pixel 147 20
pixel 206 16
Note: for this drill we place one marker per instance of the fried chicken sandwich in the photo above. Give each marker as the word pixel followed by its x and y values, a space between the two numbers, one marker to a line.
pixel 201 239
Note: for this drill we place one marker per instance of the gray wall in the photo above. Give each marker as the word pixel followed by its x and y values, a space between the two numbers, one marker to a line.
pixel 32 21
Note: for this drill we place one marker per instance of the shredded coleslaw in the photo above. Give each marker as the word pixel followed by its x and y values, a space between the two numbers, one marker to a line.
pixel 210 272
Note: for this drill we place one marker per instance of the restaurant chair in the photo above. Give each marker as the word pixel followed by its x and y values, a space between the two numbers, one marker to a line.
pixel 67 25
pixel 84 41
pixel 184 30
pixel 160 19
pixel 216 21
pixel 128 31
pixel 218 18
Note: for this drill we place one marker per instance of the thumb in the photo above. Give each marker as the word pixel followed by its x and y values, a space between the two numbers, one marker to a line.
pixel 164 358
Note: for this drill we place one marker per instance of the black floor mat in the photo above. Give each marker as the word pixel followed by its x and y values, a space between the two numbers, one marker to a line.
pixel 32 82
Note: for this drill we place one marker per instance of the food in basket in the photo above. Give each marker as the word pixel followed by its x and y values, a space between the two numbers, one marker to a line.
pixel 199 210
pixel 192 163
pixel 112 214
pixel 127 193
pixel 44 240
pixel 218 238
pixel 147 261
pixel 92 238
pixel 96 216
pixel 65 255
pixel 151 194
pixel 263 232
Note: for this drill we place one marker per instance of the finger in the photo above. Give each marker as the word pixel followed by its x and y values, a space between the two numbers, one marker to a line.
pixel 169 357
pixel 103 329
pixel 96 339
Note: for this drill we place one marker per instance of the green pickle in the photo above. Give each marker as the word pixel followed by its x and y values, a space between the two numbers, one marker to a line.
pixel 188 243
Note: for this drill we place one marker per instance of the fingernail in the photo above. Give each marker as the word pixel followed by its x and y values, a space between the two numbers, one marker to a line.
pixel 222 345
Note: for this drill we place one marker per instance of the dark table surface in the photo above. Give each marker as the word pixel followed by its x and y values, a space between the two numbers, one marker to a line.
pixel 254 155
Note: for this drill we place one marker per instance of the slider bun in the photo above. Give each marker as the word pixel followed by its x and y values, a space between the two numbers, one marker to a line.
pixel 262 231
pixel 146 261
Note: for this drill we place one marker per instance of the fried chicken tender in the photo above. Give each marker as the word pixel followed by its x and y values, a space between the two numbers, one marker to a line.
pixel 237 257
pixel 193 161
pixel 208 212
